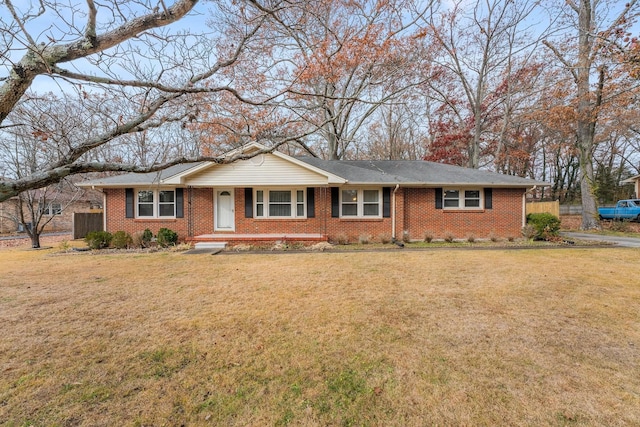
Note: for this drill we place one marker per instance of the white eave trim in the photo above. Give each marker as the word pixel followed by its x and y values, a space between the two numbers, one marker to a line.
pixel 450 184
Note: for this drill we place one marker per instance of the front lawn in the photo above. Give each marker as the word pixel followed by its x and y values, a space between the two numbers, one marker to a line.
pixel 393 338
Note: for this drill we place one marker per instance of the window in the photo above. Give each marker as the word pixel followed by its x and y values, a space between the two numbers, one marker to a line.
pixel 52 209
pixel 460 198
pixel 156 204
pixel 360 203
pixel 280 204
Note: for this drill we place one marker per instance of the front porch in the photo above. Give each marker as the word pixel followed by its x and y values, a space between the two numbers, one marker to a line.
pixel 223 239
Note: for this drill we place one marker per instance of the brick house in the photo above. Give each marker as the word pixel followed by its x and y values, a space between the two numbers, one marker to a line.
pixel 58 213
pixel 278 197
pixel 635 180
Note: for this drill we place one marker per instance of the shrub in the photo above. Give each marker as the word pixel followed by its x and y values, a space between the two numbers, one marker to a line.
pixel 428 236
pixel 546 225
pixel 64 246
pixel 471 238
pixel 341 239
pixel 384 238
pixel 364 239
pixel 147 237
pixel 493 237
pixel 528 232
pixel 448 237
pixel 620 226
pixel 142 239
pixel 98 239
pixel 167 237
pixel 136 240
pixel 121 240
pixel 406 237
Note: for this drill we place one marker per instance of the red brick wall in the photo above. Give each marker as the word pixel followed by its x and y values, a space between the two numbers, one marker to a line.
pixel 323 223
pixel 415 214
pixel 201 210
pixel 503 220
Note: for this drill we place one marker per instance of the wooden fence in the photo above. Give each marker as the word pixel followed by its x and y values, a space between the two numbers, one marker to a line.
pixel 86 222
pixel 544 207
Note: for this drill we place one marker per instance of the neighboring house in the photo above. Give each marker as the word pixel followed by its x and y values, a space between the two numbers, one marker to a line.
pixel 635 180
pixel 278 197
pixel 59 211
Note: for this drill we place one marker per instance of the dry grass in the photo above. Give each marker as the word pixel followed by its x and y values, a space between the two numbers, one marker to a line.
pixel 398 338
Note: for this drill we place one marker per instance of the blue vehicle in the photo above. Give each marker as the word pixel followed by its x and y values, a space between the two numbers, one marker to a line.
pixel 624 209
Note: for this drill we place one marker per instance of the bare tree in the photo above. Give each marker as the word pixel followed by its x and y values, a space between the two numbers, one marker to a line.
pixel 346 59
pixel 483 52
pixel 121 51
pixel 592 68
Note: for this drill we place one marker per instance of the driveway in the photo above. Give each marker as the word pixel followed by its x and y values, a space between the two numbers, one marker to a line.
pixel 627 242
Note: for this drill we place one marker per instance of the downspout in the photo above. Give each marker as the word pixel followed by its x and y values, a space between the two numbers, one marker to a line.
pixel 524 204
pixel 104 208
pixel 393 213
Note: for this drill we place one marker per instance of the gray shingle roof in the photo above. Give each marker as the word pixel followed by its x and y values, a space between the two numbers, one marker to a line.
pixel 141 179
pixel 415 172
pixel 363 172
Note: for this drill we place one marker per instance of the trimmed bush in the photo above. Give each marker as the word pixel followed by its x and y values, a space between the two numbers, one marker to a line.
pixel 142 239
pixel 167 237
pixel 121 240
pixel 98 239
pixel 147 237
pixel 546 225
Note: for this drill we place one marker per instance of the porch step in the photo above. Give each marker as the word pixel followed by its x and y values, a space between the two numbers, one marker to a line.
pixel 210 245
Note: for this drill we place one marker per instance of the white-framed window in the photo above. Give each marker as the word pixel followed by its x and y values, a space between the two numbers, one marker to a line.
pixel 156 203
pixel 361 202
pixel 51 209
pixel 462 198
pixel 280 203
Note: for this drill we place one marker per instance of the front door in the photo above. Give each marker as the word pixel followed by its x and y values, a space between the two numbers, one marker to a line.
pixel 224 219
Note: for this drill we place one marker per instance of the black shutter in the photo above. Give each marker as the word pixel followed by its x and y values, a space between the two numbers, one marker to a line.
pixel 311 202
pixel 335 202
pixel 248 202
pixel 386 202
pixel 488 198
pixel 128 192
pixel 179 202
pixel 438 198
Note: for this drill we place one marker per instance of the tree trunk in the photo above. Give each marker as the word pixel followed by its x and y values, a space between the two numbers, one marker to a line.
pixel 35 240
pixel 586 122
pixel 590 219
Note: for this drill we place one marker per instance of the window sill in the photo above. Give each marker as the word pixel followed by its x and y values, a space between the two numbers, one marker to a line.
pixel 281 219
pixel 152 219
pixel 361 218
pixel 476 210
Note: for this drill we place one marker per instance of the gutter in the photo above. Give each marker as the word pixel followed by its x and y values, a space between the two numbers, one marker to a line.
pixel 393 213
pixel 524 204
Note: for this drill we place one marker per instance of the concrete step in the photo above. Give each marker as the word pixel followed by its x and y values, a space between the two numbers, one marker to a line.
pixel 210 245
